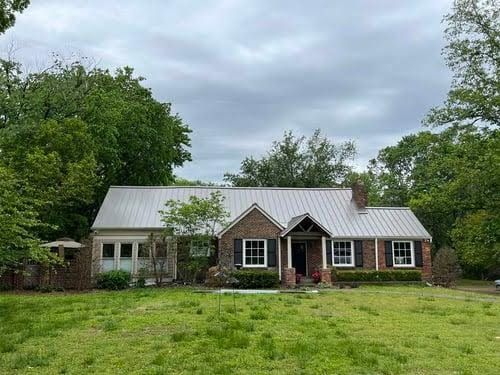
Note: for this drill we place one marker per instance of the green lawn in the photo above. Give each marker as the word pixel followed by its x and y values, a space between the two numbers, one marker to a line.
pixel 363 331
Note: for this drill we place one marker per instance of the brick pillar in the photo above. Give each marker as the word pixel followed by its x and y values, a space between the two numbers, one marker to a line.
pixel 289 277
pixel 427 261
pixel 326 275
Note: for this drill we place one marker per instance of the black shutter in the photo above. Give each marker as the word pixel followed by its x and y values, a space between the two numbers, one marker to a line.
pixel 271 253
pixel 329 255
pixel 238 252
pixel 417 246
pixel 358 253
pixel 388 253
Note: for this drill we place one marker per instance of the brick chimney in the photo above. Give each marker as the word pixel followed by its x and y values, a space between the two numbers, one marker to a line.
pixel 359 195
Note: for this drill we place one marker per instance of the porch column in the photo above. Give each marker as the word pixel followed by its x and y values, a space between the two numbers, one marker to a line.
pixel 323 251
pixel 326 274
pixel 289 251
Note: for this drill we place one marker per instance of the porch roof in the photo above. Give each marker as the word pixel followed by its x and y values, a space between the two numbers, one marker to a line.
pixel 298 220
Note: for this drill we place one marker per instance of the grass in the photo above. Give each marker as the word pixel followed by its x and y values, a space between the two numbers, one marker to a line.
pixel 370 330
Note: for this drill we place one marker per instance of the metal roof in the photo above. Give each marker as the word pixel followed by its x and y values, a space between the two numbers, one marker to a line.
pixel 134 207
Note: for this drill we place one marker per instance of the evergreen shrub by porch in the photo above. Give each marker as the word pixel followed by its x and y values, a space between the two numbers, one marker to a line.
pixel 393 275
pixel 113 280
pixel 255 279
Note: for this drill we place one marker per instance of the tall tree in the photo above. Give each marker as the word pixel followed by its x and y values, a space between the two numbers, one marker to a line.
pixel 297 162
pixel 8 10
pixel 18 223
pixel 473 55
pixel 71 131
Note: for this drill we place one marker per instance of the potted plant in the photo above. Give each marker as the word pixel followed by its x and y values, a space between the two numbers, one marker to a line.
pixel 316 276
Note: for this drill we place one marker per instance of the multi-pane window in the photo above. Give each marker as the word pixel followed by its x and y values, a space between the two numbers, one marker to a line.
pixel 254 253
pixel 403 253
pixel 342 253
pixel 200 248
pixel 108 256
pixel 143 261
pixel 126 256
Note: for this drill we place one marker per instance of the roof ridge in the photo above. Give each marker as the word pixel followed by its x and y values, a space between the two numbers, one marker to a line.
pixel 222 187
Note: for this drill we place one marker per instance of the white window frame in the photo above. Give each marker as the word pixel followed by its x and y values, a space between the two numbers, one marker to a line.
pixel 412 251
pixel 199 255
pixel 102 259
pixel 333 253
pixel 102 250
pixel 244 253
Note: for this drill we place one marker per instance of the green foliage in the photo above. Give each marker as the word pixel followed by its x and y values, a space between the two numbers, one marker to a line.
pixel 472 54
pixel 113 280
pixel 443 177
pixel 445 267
pixel 69 132
pixel 297 162
pixel 18 222
pixel 197 217
pixel 256 279
pixel 399 275
pixel 194 221
pixel 8 8
pixel 477 240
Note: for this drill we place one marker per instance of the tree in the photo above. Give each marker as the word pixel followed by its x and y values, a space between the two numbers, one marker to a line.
pixel 72 130
pixel 473 55
pixel 477 237
pixel 8 10
pixel 18 222
pixel 191 222
pixel 297 162
pixel 442 176
pixel 445 267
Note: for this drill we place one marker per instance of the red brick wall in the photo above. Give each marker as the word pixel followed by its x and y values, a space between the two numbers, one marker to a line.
pixel 253 225
pixel 314 256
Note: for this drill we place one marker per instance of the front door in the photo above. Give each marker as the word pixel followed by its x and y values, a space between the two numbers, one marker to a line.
pixel 299 257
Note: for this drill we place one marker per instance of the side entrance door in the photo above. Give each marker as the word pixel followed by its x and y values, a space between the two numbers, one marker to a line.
pixel 299 253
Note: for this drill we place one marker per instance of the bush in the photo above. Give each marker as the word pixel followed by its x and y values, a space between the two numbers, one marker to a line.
pixel 445 268
pixel 400 275
pixel 255 279
pixel 113 280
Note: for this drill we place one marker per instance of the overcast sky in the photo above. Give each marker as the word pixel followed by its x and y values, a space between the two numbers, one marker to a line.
pixel 240 73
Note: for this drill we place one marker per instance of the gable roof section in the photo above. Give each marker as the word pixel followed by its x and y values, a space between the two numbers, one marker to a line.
pixel 136 208
pixel 254 206
pixel 297 220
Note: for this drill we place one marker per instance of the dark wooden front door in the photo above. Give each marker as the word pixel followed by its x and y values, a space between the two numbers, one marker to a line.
pixel 299 257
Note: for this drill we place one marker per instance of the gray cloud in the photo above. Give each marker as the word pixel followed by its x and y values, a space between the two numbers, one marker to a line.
pixel 242 72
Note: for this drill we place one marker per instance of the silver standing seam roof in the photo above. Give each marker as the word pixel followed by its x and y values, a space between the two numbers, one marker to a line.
pixel 136 208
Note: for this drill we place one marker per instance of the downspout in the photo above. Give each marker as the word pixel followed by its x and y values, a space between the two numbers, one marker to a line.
pixel 376 254
pixel 279 257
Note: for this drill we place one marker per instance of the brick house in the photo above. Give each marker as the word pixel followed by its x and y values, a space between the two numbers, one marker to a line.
pixel 289 230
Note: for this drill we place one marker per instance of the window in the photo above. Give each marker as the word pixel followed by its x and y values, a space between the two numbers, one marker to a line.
pixel 108 257
pixel 254 253
pixel 143 261
pixel 126 256
pixel 342 254
pixel 200 248
pixel 142 251
pixel 402 252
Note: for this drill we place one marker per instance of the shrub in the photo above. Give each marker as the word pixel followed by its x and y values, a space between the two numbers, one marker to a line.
pixel 445 268
pixel 399 275
pixel 113 280
pixel 255 279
